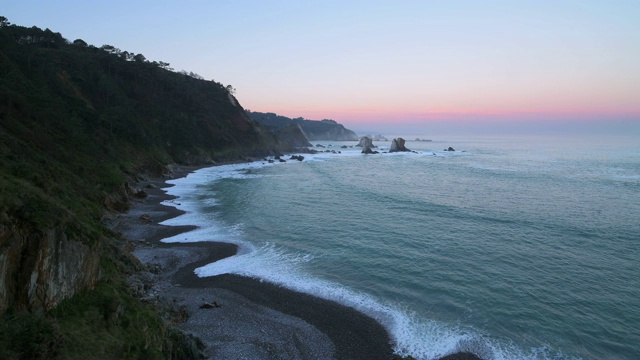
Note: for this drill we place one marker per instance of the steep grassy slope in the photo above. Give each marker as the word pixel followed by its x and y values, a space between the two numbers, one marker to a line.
pixel 76 122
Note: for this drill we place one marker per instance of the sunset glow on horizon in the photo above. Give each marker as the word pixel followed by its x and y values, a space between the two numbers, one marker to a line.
pixel 373 63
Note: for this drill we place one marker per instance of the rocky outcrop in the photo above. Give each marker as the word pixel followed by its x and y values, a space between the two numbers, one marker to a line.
pixel 365 142
pixel 397 145
pixel 367 145
pixel 326 129
pixel 293 137
pixel 40 269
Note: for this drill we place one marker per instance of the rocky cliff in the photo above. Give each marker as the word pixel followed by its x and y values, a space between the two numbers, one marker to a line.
pixel 397 145
pixel 77 123
pixel 39 269
pixel 293 136
pixel 314 129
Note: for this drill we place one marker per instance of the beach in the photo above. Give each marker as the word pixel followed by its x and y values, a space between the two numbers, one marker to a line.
pixel 251 319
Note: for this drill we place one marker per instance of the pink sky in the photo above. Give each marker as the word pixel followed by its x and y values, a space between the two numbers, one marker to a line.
pixel 382 63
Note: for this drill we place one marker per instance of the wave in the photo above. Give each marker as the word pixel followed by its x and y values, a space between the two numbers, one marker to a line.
pixel 412 334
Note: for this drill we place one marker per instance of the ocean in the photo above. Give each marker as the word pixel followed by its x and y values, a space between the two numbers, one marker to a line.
pixel 511 248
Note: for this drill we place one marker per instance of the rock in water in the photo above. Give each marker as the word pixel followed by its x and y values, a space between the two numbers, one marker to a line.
pixel 365 142
pixel 397 145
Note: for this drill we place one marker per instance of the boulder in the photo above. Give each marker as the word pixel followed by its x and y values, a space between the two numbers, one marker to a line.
pixel 210 305
pixel 139 193
pixel 397 145
pixel 450 149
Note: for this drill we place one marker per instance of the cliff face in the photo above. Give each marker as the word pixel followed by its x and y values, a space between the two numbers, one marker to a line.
pixel 76 122
pixel 314 129
pixel 40 269
pixel 293 136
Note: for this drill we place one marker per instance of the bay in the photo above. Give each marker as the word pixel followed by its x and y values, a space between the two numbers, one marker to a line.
pixel 512 248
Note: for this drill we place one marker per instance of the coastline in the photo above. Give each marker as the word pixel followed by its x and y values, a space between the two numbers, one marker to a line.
pixel 255 319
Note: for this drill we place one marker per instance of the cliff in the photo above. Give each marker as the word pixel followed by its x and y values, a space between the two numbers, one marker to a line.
pixel 293 136
pixel 314 129
pixel 78 125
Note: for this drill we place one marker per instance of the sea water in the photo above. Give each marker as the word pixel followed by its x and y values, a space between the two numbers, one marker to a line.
pixel 511 248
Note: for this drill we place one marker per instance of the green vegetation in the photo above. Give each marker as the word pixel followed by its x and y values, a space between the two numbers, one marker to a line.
pixel 76 122
pixel 75 118
pixel 105 322
pixel 325 129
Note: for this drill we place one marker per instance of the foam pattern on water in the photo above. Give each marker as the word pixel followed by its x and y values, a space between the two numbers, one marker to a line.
pixel 412 334
pixel 418 338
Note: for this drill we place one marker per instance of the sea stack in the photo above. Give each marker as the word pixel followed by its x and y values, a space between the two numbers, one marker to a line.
pixel 367 144
pixel 397 145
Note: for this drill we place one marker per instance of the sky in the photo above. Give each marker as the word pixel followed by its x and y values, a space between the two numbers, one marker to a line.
pixel 387 65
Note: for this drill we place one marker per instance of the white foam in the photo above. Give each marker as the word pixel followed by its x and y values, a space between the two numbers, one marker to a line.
pixel 411 333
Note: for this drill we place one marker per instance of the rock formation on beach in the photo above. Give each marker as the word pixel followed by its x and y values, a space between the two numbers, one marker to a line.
pixel 397 145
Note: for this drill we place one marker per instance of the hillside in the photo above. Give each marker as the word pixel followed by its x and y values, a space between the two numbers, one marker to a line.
pixel 78 125
pixel 313 129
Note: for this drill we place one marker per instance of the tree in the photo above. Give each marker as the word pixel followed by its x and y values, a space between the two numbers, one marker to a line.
pixel 4 21
pixel 195 75
pixel 108 48
pixel 139 58
pixel 165 65
pixel 125 55
pixel 79 42
pixel 230 89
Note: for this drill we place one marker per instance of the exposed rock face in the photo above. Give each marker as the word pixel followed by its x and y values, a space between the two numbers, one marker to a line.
pixel 293 136
pixel 38 270
pixel 365 142
pixel 314 129
pixel 367 145
pixel 329 130
pixel 397 145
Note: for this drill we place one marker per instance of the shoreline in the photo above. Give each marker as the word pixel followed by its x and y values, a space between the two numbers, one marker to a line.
pixel 253 319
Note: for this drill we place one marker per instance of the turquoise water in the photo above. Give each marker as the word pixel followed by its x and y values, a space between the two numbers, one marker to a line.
pixel 512 248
